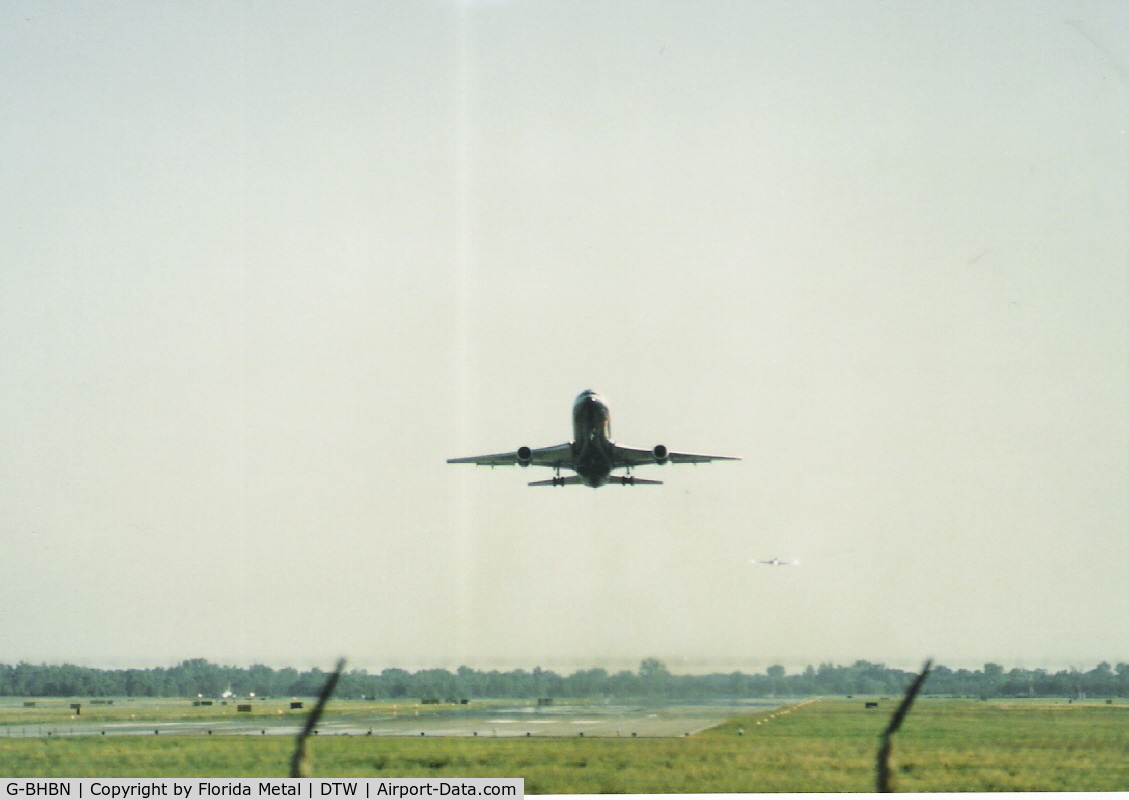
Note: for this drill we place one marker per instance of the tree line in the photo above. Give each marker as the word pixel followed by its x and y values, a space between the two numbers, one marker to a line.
pixel 198 677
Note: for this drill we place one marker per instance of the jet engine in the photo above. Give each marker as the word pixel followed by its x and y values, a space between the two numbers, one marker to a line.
pixel 660 453
pixel 524 456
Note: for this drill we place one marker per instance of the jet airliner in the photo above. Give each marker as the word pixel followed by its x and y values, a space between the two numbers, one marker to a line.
pixel 592 454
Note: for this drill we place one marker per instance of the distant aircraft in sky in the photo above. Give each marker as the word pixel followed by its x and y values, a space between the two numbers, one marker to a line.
pixel 592 454
pixel 776 562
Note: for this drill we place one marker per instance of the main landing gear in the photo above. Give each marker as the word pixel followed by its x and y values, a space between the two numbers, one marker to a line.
pixel 624 480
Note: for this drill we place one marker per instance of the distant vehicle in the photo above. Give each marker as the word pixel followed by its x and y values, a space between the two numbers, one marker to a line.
pixel 592 454
pixel 776 562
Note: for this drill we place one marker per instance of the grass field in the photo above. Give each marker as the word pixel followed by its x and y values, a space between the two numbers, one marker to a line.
pixel 823 746
pixel 55 711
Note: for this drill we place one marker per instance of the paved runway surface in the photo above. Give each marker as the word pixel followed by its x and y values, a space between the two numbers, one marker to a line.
pixel 560 720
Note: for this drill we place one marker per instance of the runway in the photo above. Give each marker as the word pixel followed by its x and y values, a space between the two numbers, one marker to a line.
pixel 495 720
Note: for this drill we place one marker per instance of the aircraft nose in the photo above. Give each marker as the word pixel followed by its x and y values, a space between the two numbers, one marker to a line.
pixel 589 409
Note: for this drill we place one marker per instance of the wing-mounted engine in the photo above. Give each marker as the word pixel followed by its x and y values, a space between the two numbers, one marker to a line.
pixel 524 456
pixel 660 453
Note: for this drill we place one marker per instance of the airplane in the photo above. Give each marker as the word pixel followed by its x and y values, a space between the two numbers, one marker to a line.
pixel 776 562
pixel 592 454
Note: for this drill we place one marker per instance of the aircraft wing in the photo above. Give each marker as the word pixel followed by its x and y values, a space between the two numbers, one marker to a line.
pixel 634 456
pixel 696 458
pixel 557 456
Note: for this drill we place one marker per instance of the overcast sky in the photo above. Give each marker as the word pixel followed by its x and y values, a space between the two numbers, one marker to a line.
pixel 266 266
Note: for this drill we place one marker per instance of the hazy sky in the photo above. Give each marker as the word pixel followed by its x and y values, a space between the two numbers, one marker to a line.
pixel 265 266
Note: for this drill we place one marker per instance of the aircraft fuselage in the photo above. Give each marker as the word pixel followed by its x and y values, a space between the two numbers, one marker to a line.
pixel 591 438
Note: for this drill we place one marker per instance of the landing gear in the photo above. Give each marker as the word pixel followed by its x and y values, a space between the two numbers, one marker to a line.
pixel 626 480
pixel 557 479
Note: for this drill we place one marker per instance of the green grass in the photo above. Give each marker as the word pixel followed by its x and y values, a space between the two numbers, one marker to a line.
pixel 824 746
pixel 54 711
